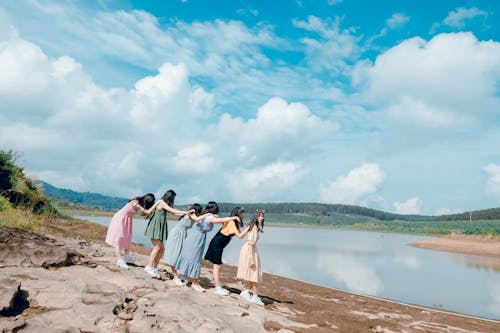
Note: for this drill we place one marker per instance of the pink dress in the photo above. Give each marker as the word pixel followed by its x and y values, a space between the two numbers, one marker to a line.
pixel 249 250
pixel 120 229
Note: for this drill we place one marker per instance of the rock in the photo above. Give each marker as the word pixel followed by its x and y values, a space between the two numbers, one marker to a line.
pixel 12 326
pixel 8 290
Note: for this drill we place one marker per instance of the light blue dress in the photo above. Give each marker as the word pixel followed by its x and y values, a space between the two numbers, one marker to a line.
pixel 189 262
pixel 174 243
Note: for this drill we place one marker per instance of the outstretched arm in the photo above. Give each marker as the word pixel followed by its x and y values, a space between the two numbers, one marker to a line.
pixel 150 210
pixel 136 205
pixel 224 219
pixel 242 234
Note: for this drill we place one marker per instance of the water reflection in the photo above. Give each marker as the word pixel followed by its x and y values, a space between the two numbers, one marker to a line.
pixel 354 274
pixel 494 305
pixel 408 261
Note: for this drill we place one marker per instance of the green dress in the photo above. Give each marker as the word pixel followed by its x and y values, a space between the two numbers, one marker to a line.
pixel 157 227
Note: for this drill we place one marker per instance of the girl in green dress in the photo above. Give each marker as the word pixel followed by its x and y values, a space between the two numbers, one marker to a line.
pixel 157 229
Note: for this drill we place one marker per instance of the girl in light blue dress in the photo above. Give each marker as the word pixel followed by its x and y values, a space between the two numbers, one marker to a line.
pixel 174 243
pixel 188 263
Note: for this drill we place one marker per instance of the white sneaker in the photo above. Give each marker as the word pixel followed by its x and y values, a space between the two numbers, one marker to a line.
pixel 221 291
pixel 256 300
pixel 245 294
pixel 179 282
pixel 128 259
pixel 157 270
pixel 151 271
pixel 122 264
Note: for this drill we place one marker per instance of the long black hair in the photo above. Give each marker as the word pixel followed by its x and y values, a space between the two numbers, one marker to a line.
pixel 254 221
pixel 169 197
pixel 146 201
pixel 211 208
pixel 238 211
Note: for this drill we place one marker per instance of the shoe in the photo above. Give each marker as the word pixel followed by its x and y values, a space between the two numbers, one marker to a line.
pixel 197 287
pixel 157 270
pixel 245 294
pixel 122 264
pixel 221 291
pixel 151 271
pixel 179 282
pixel 256 300
pixel 128 259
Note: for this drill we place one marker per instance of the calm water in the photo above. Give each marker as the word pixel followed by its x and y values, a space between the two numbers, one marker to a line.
pixel 370 263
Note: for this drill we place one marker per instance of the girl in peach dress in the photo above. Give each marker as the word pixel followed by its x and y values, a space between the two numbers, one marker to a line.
pixel 119 233
pixel 249 266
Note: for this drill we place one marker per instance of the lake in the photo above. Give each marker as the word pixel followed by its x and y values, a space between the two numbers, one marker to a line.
pixel 378 264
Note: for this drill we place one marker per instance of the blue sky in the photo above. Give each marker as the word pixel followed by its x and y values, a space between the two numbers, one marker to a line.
pixel 392 105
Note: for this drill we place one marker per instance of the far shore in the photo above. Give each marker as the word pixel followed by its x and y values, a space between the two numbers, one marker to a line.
pixel 466 244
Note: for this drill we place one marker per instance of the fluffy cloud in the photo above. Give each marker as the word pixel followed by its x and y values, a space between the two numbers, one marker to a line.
pixel 156 133
pixel 353 187
pixel 457 17
pixel 56 110
pixel 279 130
pixel 493 182
pixel 265 183
pixel 410 206
pixel 447 82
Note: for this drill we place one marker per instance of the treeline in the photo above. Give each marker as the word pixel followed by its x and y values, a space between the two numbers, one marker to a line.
pixel 321 209
pixel 16 190
pixel 87 199
pixel 484 214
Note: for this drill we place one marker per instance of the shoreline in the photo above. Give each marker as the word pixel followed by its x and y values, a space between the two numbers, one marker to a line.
pixel 463 244
pixel 291 305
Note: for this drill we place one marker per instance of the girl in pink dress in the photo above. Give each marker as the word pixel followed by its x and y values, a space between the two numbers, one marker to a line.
pixel 119 233
pixel 249 267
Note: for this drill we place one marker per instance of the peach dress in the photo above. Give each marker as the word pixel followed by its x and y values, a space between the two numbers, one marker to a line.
pixel 120 228
pixel 246 253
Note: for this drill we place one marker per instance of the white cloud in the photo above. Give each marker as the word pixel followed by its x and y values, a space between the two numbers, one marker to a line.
pixel 334 47
pixel 353 187
pixel 493 182
pixel 457 17
pixel 196 159
pixel 397 20
pixel 410 206
pixel 52 109
pixel 447 82
pixel 279 130
pixel 264 183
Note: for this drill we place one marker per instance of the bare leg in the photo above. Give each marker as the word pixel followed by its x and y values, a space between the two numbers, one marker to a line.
pixel 216 275
pixel 160 254
pixel 195 284
pixel 154 252
pixel 117 253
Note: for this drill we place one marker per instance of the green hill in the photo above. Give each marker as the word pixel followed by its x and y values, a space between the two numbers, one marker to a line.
pixel 86 199
pixel 17 190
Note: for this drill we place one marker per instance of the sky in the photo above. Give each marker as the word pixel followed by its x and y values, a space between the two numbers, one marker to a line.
pixel 392 105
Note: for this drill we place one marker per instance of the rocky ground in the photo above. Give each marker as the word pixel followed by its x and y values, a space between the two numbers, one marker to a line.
pixel 51 283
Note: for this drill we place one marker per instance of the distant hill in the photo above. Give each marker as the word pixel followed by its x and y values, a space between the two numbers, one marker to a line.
pixel 313 212
pixel 484 214
pixel 88 199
